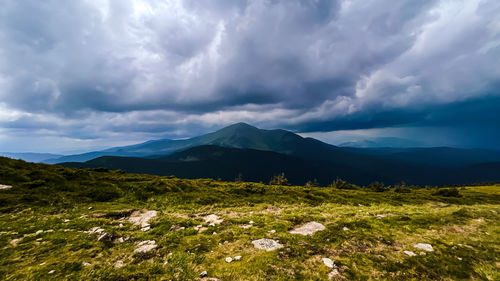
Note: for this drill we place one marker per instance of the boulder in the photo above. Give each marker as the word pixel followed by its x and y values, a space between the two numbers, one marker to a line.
pixel 424 246
pixel 328 262
pixel 145 246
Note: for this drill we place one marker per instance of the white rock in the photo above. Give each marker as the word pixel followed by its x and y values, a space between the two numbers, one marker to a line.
pixel 95 230
pixel 333 273
pixel 272 231
pixel 119 264
pixel 145 246
pixel 3 186
pixel 120 225
pixel 251 222
pixel 245 226
pixel 328 262
pixel 237 258
pixel 229 259
pixel 308 229
pixel 121 240
pixel 267 244
pixel 409 253
pixel 66 220
pixel 213 219
pixel 203 274
pixel 424 246
pixel 86 264
pixel 38 232
pixel 146 228
pixel 142 218
pixel 345 228
pixel 52 271
pixel 43 263
pixel 211 224
pixel 90 208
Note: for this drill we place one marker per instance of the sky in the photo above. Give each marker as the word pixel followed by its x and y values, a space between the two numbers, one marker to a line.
pixel 87 74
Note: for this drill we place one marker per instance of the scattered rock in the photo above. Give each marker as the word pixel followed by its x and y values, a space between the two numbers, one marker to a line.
pixel 95 230
pixel 50 230
pixel 328 262
pixel 66 220
pixel 121 240
pixel 3 186
pixel 38 232
pixel 177 228
pixel 119 264
pixel 245 226
pixel 211 224
pixel 106 238
pixel 90 208
pixel 142 218
pixel 333 273
pixel 52 271
pixel 145 246
pixel 459 258
pixel 43 263
pixel 146 228
pixel 229 259
pixel 251 222
pixel 203 274
pixel 120 225
pixel 381 216
pixel 237 258
pixel 267 244
pixel 345 228
pixel 202 229
pixel 424 246
pixel 213 219
pixel 410 253
pixel 272 231
pixel 16 241
pixel 308 229
pixel 86 264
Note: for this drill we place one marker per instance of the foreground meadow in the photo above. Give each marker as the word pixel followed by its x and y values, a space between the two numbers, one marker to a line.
pixel 72 224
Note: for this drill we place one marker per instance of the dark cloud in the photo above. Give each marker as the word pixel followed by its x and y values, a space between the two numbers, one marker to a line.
pixel 98 69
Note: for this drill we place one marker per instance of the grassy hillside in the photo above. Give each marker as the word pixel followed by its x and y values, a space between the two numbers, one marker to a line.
pixel 45 215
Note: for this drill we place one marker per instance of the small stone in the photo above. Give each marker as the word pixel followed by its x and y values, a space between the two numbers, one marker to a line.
pixel 43 263
pixel 146 228
pixel 267 244
pixel 66 220
pixel 90 208
pixel 39 239
pixel 215 233
pixel 121 240
pixel 213 219
pixel 410 253
pixel 245 226
pixel 52 271
pixel 14 242
pixel 229 259
pixel 345 228
pixel 203 274
pixel 237 258
pixel 424 246
pixel 120 225
pixel 308 229
pixel 86 264
pixel 328 262
pixel 459 258
pixel 38 232
pixel 95 230
pixel 251 222
pixel 119 264
pixel 3 186
pixel 333 273
pixel 50 230
pixel 145 246
pixel 272 231
pixel 211 224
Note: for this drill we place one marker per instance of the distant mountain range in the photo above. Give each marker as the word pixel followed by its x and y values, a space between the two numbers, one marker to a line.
pixel 259 154
pixel 31 156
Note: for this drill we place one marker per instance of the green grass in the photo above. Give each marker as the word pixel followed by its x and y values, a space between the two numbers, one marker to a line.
pixel 463 229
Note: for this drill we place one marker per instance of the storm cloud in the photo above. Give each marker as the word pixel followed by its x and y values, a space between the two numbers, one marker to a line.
pixel 99 72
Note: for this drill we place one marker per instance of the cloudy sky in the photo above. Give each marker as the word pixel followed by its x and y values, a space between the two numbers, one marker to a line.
pixel 85 74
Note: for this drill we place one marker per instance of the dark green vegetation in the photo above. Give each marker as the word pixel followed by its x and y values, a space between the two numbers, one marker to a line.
pixel 44 215
pixel 257 155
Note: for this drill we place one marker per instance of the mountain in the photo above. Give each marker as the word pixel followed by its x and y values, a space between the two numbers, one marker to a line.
pixel 382 142
pixel 240 135
pixel 30 156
